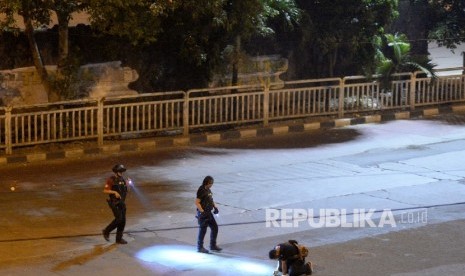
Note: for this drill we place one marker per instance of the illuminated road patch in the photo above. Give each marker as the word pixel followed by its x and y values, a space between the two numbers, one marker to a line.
pixel 186 258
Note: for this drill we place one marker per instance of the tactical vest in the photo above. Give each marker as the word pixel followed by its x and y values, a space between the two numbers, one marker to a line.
pixel 119 185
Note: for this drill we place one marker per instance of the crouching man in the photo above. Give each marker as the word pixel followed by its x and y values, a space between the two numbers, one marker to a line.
pixel 291 259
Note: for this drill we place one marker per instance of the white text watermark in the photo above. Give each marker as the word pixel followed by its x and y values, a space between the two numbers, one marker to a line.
pixel 354 218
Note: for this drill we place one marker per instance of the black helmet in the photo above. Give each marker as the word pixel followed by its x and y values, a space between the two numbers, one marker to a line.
pixel 118 168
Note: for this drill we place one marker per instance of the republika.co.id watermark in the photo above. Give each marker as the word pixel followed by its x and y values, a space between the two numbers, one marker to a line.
pixel 354 218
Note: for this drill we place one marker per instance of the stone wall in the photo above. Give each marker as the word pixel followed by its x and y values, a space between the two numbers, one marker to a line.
pixel 255 70
pixel 22 86
pixel 107 79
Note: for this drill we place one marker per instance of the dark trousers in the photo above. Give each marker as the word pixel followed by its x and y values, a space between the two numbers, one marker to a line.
pixel 206 221
pixel 295 267
pixel 119 222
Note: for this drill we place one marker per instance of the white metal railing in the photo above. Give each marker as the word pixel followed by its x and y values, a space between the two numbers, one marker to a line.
pixel 305 98
pixel 223 106
pixel 142 114
pixel 67 121
pixel 446 89
pixel 155 113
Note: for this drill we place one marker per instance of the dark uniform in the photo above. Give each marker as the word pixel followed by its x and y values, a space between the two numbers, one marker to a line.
pixel 206 218
pixel 118 184
pixel 296 266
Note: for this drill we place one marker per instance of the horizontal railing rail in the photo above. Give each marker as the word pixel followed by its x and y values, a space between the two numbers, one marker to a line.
pixel 223 106
pixel 163 113
pixel 147 113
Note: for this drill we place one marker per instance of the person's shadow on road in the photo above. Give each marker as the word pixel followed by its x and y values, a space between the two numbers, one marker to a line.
pixel 98 250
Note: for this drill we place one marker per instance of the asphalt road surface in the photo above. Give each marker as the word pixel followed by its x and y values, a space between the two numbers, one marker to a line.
pixel 51 221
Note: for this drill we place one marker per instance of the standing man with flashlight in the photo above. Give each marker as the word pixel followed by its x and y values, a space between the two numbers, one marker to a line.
pixel 117 188
pixel 205 207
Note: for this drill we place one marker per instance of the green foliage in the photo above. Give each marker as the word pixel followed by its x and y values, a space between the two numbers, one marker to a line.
pixel 180 42
pixel 393 56
pixel 137 20
pixel 197 37
pixel 36 13
pixel 249 17
pixel 447 19
pixel 67 83
pixel 337 34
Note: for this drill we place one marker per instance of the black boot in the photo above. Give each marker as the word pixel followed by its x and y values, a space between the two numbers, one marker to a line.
pixel 106 234
pixel 215 248
pixel 200 247
pixel 202 250
pixel 119 238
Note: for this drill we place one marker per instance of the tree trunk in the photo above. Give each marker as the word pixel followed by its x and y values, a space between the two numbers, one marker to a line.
pixel 37 59
pixel 413 22
pixel 61 78
pixel 332 58
pixel 63 48
pixel 236 58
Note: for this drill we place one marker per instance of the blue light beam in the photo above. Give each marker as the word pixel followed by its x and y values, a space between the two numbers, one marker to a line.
pixel 181 257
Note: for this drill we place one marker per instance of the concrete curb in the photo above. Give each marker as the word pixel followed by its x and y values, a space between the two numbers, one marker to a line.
pixel 196 139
